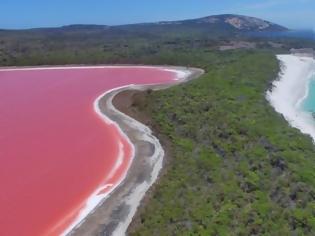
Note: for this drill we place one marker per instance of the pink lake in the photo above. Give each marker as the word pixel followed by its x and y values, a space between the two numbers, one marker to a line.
pixel 55 150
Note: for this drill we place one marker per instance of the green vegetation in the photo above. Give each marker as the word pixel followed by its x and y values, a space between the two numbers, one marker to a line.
pixel 237 167
pixel 140 43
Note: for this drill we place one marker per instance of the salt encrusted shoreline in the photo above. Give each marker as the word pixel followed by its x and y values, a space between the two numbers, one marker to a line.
pixel 290 90
pixel 113 214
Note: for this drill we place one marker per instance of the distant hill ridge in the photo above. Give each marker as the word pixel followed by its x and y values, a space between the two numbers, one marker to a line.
pixel 227 22
pixel 238 22
pixel 86 43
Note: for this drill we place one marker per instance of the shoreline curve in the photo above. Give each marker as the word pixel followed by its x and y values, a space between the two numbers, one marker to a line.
pixel 290 89
pixel 113 213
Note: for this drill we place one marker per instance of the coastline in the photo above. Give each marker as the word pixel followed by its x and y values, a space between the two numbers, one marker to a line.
pixel 290 90
pixel 113 214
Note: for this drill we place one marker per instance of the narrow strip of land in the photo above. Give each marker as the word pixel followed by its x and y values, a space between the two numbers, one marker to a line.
pixel 115 213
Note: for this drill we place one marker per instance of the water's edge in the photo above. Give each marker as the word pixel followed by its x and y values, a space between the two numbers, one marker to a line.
pixel 127 195
pixel 290 90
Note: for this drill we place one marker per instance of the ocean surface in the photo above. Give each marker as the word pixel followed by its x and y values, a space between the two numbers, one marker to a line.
pixel 308 103
pixel 298 34
pixel 55 150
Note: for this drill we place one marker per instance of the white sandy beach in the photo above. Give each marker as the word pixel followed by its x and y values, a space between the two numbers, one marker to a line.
pixel 290 90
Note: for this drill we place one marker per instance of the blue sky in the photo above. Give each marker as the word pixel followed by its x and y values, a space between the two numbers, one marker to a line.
pixel 47 13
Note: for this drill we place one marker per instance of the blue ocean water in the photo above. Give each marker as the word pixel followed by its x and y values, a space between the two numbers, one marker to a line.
pixel 309 102
pixel 298 34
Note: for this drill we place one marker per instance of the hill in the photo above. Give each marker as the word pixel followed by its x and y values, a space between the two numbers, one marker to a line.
pixel 75 44
pixel 231 22
pixel 221 23
pixel 210 26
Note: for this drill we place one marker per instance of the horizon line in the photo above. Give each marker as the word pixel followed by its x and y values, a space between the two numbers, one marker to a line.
pixel 135 23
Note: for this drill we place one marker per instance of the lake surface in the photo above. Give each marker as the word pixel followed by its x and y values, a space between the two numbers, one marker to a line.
pixel 55 150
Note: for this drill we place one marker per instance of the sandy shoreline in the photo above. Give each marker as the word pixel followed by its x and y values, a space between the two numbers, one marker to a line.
pixel 113 215
pixel 290 90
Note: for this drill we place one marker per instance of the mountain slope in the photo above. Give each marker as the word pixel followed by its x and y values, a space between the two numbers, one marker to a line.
pixel 211 26
pixel 101 43
pixel 233 22
pixel 225 22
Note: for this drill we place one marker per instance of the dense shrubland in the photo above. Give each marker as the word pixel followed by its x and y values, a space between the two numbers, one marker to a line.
pixel 237 167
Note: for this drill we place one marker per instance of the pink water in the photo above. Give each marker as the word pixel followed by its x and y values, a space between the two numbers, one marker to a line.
pixel 55 151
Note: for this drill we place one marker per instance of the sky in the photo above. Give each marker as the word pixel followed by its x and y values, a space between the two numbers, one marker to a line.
pixel 17 14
